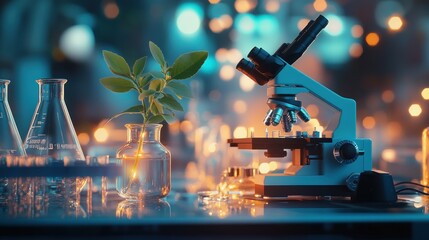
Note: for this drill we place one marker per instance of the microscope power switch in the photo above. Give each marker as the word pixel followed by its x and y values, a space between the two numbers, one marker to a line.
pixel 346 151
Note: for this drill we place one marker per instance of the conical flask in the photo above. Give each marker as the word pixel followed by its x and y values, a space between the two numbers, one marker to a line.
pixel 51 132
pixel 10 140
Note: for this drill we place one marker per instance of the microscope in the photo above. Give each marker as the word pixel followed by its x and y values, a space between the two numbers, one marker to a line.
pixel 323 163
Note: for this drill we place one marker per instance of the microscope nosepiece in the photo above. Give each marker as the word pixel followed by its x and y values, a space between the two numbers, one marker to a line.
pixel 276 116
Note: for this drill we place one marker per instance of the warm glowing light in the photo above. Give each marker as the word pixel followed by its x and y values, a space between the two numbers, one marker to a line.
pixel 320 5
pixel 240 132
pixel 264 168
pixel 243 6
pixel 246 84
pixel 272 6
pixel 388 96
pixel 234 55
pixel 101 135
pixel 388 155
pixel 425 94
pixel 226 21
pixel 357 31
pixel 418 156
pixel 335 26
pixel 214 1
pixel 83 138
pixel 111 10
pixel 395 23
pixel 212 147
pixel 368 122
pixel 372 39
pixel 186 126
pixel 227 72
pixel 302 23
pixel 215 25
pixel 273 165
pixel 240 106
pixel 415 110
pixel 313 110
pixel 221 55
pixel 393 130
pixel 356 50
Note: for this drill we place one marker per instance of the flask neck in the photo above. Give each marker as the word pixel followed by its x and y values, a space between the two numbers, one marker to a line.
pixel 51 88
pixel 3 89
pixel 151 132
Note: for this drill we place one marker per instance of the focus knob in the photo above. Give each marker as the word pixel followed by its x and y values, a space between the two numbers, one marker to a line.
pixel 346 151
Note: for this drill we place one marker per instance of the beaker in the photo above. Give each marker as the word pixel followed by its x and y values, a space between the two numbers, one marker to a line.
pixel 425 159
pixel 10 140
pixel 52 137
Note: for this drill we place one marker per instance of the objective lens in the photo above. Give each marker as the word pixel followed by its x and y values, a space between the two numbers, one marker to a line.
pixel 291 116
pixel 303 115
pixel 267 119
pixel 276 116
pixel 287 125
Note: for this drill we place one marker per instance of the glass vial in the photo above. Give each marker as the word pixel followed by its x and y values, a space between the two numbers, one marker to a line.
pixel 10 140
pixel 146 173
pixel 425 159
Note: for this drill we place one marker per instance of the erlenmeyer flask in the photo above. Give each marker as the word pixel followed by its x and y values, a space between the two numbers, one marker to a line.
pixel 52 140
pixel 51 132
pixel 10 140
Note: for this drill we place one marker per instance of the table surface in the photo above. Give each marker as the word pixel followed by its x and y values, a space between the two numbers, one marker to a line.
pixel 185 214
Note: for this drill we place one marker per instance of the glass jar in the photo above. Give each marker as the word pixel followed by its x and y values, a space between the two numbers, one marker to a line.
pixel 146 164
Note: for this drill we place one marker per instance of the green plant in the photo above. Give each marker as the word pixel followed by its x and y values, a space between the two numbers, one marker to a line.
pixel 159 92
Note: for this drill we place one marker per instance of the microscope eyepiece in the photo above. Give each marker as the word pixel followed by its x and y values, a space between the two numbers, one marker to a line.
pixel 249 69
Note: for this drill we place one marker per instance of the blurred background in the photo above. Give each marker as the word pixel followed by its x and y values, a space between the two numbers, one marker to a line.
pixel 376 52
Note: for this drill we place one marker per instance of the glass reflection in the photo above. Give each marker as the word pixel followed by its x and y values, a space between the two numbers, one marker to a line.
pixel 139 209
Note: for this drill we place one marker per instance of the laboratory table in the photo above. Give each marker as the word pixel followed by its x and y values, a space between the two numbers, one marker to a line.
pixel 185 215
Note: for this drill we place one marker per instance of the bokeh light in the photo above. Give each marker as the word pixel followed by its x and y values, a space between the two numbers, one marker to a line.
pixel 388 155
pixel 388 96
pixel 425 93
pixel 368 122
pixel 356 50
pixel 101 135
pixel 372 39
pixel 189 18
pixel 111 10
pixel 240 132
pixel 77 42
pixel 240 106
pixel 395 23
pixel 227 72
pixel 272 6
pixel 264 168
pixel 335 26
pixel 320 5
pixel 83 138
pixel 415 110
pixel 357 31
pixel 246 84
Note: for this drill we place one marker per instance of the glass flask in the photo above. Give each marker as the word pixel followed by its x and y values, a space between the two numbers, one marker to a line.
pixel 10 144
pixel 425 159
pixel 10 140
pixel 52 140
pixel 147 176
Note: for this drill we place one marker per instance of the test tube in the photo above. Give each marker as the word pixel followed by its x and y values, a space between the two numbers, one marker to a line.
pixel 425 160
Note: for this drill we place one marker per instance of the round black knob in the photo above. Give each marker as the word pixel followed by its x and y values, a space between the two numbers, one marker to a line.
pixel 346 151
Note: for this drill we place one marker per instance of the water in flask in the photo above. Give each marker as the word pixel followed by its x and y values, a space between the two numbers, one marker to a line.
pixel 52 137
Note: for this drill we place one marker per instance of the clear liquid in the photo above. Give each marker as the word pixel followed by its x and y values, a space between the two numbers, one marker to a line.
pixel 152 178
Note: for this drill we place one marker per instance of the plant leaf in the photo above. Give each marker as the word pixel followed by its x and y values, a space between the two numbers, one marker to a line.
pixel 157 53
pixel 117 64
pixel 117 84
pixel 146 93
pixel 156 74
pixel 156 119
pixel 139 65
pixel 188 64
pixel 143 80
pixel 157 84
pixel 169 118
pixel 170 102
pixel 180 89
pixel 156 108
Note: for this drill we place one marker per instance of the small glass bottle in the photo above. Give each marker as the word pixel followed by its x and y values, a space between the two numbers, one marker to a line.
pixel 52 140
pixel 146 168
